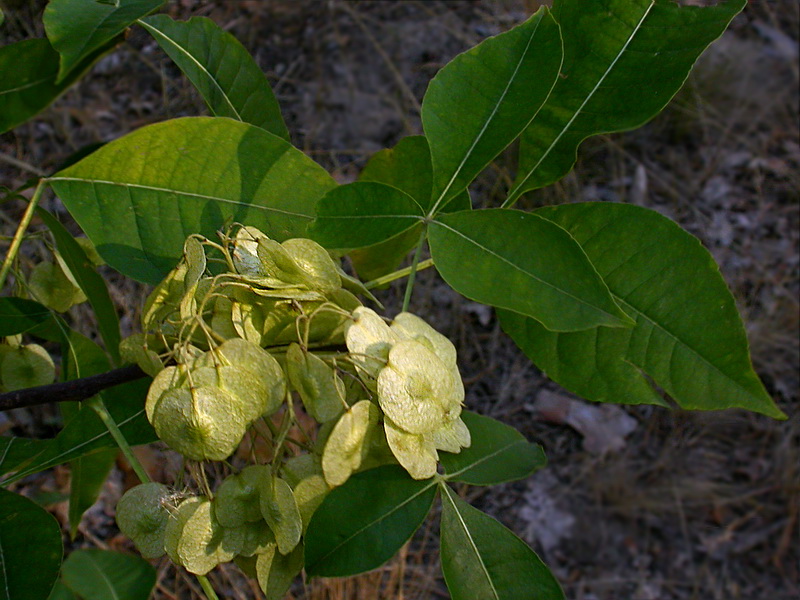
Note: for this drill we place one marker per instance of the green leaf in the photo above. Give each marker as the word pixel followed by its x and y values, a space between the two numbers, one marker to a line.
pixel 407 167
pixel 623 62
pixel 87 476
pixel 139 197
pixel 18 315
pixel 483 559
pixel 361 524
pixel 362 214
pixel 96 574
pixel 76 28
pixel 484 98
pixel 29 83
pixel 498 454
pixel 86 433
pixel 688 336
pixel 30 548
pixel 92 284
pixel 525 263
pixel 221 69
pixel 61 592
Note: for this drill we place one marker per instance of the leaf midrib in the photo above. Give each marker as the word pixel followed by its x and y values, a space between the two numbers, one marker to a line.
pixel 447 493
pixel 196 62
pixel 514 192
pixel 372 523
pixel 531 275
pixel 195 195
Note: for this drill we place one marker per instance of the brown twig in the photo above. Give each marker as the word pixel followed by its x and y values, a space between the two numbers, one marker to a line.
pixel 69 391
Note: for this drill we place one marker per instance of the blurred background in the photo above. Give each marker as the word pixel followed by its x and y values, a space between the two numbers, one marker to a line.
pixel 637 503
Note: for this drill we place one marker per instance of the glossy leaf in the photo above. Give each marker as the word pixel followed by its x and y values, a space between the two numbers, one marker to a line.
pixel 86 433
pixel 522 262
pixel 92 284
pixel 76 28
pixel 498 454
pixel 688 338
pixel 18 315
pixel 361 524
pixel 623 62
pixel 484 98
pixel 363 213
pixel 139 197
pixel 96 574
pixel 29 83
pixel 61 592
pixel 221 69
pixel 483 559
pixel 30 548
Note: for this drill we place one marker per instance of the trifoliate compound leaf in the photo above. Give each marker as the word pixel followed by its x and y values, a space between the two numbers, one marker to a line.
pixel 203 423
pixel 50 285
pixel 451 437
pixel 369 339
pixel 410 327
pixel 26 366
pixel 321 273
pixel 134 349
pixel 204 543
pixel 416 453
pixel 416 390
pixel 279 507
pixel 276 571
pixel 344 449
pixel 169 378
pixel 320 388
pixel 256 538
pixel 236 501
pixel 142 515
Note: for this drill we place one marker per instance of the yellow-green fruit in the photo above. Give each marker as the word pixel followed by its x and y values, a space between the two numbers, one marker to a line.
pixel 134 349
pixel 346 446
pixel 202 423
pixel 321 389
pixel 276 571
pixel 415 452
pixel 257 537
pixel 142 515
pixel 369 340
pixel 319 270
pixel 51 286
pixel 171 377
pixel 195 540
pixel 280 511
pixel 26 366
pixel 416 390
pixel 236 501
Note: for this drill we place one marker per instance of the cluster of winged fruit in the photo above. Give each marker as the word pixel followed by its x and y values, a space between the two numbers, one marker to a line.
pixel 237 330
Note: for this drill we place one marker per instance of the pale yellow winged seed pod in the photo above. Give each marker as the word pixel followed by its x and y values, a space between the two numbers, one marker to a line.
pixel 416 390
pixel 416 453
pixel 169 378
pixel 280 511
pixel 276 571
pixel 321 389
pixel 236 502
pixel 142 515
pixel 369 340
pixel 257 537
pixel 346 445
pixel 134 349
pixel 54 287
pixel 410 327
pixel 26 366
pixel 175 523
pixel 319 269
pixel 245 252
pixel 203 543
pixel 451 437
pixel 203 423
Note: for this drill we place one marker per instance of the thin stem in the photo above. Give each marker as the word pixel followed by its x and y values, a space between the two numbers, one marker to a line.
pixel 400 273
pixel 23 226
pixel 96 403
pixel 413 272
pixel 207 589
